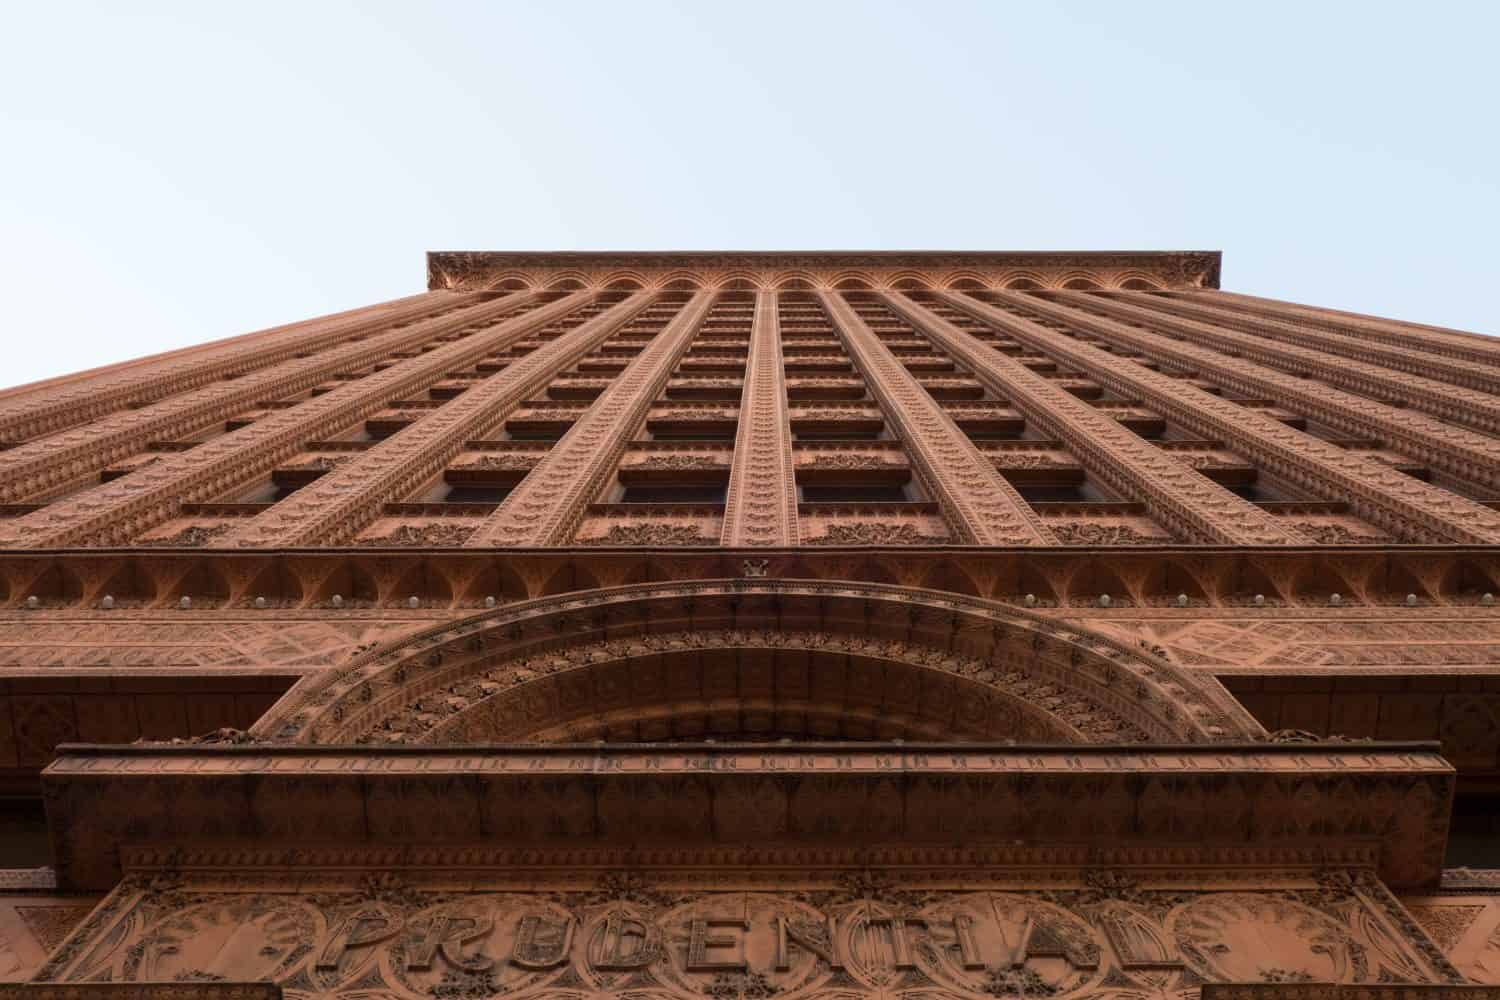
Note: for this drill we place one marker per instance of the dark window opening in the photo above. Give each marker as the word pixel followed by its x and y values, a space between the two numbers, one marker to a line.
pixel 846 434
pixel 268 491
pixel 675 494
pixel 1474 832
pixel 1256 492
pixel 694 434
pixel 477 494
pixel 856 493
pixel 1052 492
pixel 24 840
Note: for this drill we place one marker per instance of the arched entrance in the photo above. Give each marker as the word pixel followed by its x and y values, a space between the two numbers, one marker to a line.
pixel 758 660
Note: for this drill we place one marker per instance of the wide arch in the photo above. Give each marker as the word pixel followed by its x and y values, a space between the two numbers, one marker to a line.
pixel 572 665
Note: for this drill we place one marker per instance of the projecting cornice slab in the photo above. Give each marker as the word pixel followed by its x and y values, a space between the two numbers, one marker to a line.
pixel 483 269
pixel 1170 804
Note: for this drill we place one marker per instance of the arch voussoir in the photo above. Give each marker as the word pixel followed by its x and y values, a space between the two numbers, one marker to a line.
pixel 731 657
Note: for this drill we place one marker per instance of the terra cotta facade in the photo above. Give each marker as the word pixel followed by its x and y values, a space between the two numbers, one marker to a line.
pixel 745 625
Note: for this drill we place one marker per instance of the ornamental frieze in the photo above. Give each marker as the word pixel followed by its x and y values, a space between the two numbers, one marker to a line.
pixel 842 933
pixel 480 270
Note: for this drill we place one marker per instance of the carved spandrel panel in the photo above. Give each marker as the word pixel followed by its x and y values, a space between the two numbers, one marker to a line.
pixel 1465 926
pixel 31 926
pixel 818 936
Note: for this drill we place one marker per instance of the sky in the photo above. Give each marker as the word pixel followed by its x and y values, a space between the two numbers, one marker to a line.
pixel 171 173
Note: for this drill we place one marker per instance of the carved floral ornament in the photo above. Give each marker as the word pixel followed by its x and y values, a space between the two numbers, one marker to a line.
pixel 538 667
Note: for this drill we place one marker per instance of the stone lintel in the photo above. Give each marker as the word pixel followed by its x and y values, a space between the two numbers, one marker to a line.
pixel 1329 799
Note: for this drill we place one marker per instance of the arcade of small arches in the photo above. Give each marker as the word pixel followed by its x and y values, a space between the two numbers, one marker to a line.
pixel 1014 280
pixel 1055 578
pixel 762 659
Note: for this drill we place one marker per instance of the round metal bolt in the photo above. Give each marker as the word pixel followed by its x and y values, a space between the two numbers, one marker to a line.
pixel 1335 599
pixel 336 600
pixel 107 602
pixel 1182 600
pixel 1411 600
pixel 33 601
pixel 185 602
pixel 1105 600
pixel 1260 600
pixel 1031 600
pixel 413 602
pixel 489 602
pixel 260 602
pixel 1486 600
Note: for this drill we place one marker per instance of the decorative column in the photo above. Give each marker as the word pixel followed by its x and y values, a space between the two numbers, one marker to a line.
pixel 981 506
pixel 56 461
pixel 57 404
pixel 762 505
pixel 1410 336
pixel 1453 449
pixel 117 512
pixel 1404 506
pixel 1192 505
pixel 1457 391
pixel 338 505
pixel 548 504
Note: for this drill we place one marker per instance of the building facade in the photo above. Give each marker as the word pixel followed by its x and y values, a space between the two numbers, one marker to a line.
pixel 834 626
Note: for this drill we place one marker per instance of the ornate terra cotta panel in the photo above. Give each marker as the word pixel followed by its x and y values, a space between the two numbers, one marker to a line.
pixel 382 927
pixel 761 507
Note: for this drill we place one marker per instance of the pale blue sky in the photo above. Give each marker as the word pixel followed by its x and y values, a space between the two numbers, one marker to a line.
pixel 172 173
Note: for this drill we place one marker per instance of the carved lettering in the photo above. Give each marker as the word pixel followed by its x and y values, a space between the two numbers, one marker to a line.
pixel 446 935
pixel 366 926
pixel 822 942
pixel 700 942
pixel 542 943
pixel 625 943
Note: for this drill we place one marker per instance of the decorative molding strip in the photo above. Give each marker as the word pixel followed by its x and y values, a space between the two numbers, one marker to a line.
pixel 1396 333
pixel 1389 499
pixel 140 991
pixel 1185 501
pixel 761 508
pixel 47 407
pixel 548 504
pixel 120 510
pixel 979 503
pixel 1455 392
pixel 335 507
pixel 62 459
